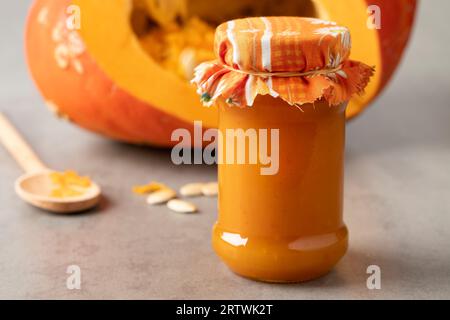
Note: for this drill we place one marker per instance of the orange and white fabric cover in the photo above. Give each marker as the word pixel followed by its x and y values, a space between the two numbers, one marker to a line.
pixel 299 60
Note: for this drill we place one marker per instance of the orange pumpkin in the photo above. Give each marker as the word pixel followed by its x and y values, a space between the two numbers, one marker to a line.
pixel 106 76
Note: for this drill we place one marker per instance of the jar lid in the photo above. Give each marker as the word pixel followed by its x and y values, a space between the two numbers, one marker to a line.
pixel 299 60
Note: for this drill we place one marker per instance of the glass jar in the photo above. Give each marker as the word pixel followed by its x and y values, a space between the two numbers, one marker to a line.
pixel 287 226
pixel 281 85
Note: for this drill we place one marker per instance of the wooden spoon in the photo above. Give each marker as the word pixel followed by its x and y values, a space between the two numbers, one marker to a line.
pixel 35 185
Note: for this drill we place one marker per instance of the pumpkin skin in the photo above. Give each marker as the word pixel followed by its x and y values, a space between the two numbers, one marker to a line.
pixel 91 100
pixel 97 97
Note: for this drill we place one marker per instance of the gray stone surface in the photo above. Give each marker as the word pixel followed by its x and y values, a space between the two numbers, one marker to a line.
pixel 397 197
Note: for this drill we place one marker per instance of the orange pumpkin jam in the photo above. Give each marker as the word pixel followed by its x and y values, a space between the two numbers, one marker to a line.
pixel 288 226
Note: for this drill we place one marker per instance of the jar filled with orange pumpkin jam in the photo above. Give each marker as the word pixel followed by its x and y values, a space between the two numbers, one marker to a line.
pixel 281 85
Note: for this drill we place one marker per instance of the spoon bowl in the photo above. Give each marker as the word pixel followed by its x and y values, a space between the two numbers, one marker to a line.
pixel 36 188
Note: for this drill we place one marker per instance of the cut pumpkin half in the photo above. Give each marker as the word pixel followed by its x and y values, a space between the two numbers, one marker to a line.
pixel 131 81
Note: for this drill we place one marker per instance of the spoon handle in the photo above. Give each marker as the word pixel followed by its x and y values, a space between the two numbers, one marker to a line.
pixel 19 148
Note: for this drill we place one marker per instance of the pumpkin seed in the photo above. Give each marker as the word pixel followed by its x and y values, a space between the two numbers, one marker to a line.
pixel 57 32
pixel 52 106
pixel 75 43
pixel 78 66
pixel 210 189
pixel 161 196
pixel 56 110
pixel 181 206
pixel 43 16
pixel 192 189
pixel 61 55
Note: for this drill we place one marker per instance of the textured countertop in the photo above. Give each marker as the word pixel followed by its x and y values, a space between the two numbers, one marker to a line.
pixel 397 197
